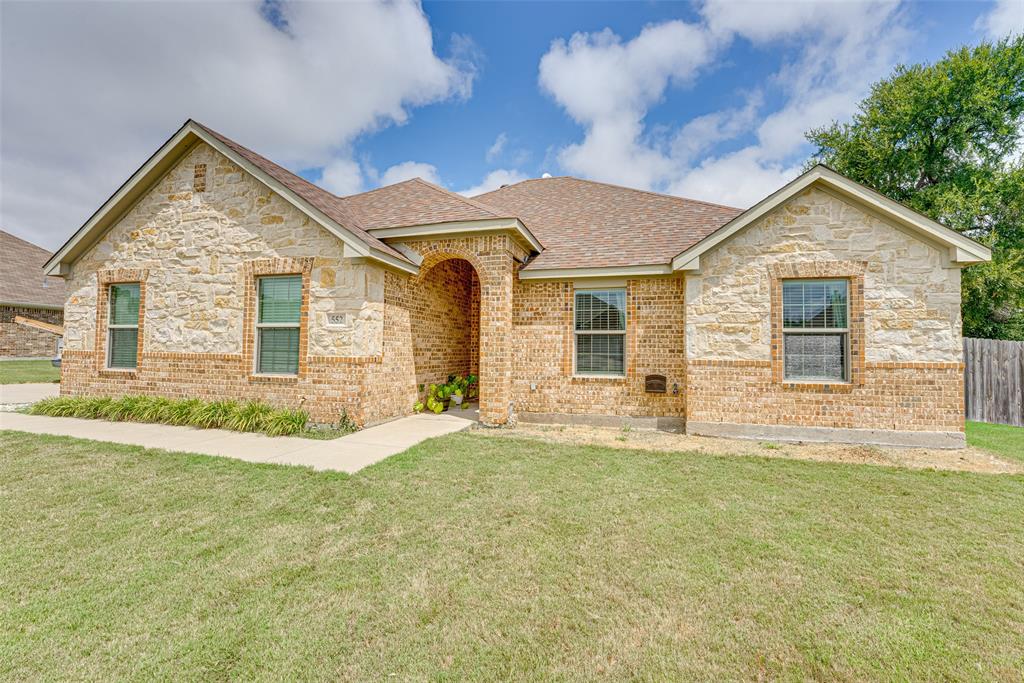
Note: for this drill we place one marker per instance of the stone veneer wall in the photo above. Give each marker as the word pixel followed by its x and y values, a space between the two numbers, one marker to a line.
pixel 20 341
pixel 199 239
pixel 910 372
pixel 544 340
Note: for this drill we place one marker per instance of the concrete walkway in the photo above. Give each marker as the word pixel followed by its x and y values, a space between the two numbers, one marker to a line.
pixel 23 394
pixel 347 454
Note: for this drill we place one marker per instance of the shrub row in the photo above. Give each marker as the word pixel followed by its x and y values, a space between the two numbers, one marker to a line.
pixel 249 416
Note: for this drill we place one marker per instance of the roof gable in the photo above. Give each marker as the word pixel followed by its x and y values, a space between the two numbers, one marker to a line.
pixel 962 250
pixel 323 207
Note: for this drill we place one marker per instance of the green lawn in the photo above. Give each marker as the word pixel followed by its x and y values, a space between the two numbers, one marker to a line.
pixel 22 371
pixel 1000 439
pixel 483 558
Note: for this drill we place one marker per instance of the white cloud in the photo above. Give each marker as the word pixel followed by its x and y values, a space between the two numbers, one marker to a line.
pixel 495 150
pixel 342 177
pixel 1006 18
pixel 92 89
pixel 410 169
pixel 493 181
pixel 834 52
pixel 607 86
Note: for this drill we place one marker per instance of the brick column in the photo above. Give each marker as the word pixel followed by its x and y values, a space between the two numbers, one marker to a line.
pixel 496 336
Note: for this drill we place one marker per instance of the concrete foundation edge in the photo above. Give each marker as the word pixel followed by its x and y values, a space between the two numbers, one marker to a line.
pixel 664 424
pixel 875 437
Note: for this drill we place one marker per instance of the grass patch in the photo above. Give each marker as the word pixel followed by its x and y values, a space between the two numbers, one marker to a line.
pixel 25 371
pixel 251 416
pixel 1004 440
pixel 469 557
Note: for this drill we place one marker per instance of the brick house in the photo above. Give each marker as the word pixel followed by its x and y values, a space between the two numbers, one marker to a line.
pixel 26 293
pixel 825 311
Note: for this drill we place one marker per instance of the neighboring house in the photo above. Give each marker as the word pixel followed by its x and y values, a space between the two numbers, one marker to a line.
pixel 825 311
pixel 25 292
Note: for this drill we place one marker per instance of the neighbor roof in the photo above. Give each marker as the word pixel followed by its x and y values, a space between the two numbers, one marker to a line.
pixel 587 224
pixel 21 278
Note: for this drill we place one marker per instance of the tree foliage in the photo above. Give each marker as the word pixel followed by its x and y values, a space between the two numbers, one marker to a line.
pixel 947 139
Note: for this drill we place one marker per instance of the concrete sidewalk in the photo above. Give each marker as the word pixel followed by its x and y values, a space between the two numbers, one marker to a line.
pixel 347 454
pixel 23 394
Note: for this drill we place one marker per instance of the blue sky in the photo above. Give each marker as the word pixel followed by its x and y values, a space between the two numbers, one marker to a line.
pixel 707 100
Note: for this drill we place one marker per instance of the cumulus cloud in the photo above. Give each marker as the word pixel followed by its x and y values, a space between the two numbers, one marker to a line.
pixel 1006 18
pixel 92 89
pixel 494 180
pixel 410 169
pixel 607 85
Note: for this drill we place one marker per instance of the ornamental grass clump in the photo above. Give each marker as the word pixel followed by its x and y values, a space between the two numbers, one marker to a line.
pixel 213 415
pixel 251 416
pixel 285 422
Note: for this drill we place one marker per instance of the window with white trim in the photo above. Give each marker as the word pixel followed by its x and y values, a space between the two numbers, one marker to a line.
pixel 600 329
pixel 123 325
pixel 815 330
pixel 277 324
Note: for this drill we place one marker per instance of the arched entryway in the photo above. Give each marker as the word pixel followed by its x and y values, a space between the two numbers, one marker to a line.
pixel 445 319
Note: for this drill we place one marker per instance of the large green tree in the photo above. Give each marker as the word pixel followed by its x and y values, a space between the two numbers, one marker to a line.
pixel 947 139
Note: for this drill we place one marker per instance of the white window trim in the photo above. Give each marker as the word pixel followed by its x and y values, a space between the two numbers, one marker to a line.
pixel 575 335
pixel 845 331
pixel 269 326
pixel 111 327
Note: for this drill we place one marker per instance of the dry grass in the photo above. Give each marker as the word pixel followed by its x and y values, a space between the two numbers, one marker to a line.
pixel 471 557
pixel 971 459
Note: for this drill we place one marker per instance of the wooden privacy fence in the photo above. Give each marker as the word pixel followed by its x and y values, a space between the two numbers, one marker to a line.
pixel 994 381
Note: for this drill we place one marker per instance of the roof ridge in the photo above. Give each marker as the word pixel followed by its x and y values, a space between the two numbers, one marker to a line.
pixel 661 195
pixel 469 200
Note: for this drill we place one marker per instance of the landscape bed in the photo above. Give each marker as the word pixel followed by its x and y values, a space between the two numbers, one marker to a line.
pixel 494 558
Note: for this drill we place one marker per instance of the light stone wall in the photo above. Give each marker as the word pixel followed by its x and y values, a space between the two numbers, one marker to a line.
pixel 193 244
pixel 911 301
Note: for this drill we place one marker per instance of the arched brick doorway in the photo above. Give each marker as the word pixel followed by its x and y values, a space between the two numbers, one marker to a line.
pixel 444 317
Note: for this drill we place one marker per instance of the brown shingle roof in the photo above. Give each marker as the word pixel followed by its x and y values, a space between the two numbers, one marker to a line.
pixel 333 206
pixel 587 224
pixel 21 274
pixel 416 202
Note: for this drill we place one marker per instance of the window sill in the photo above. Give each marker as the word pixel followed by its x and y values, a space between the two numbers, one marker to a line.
pixel 123 373
pixel 840 387
pixel 591 378
pixel 273 379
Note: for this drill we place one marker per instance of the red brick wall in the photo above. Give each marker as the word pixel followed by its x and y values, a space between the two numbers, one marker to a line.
pixel 543 352
pixel 19 341
pixel 901 396
pixel 444 318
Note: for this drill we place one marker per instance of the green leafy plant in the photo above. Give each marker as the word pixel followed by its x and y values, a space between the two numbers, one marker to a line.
pixel 213 415
pixel 251 416
pixel 418 407
pixel 183 412
pixel 285 422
